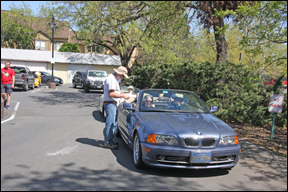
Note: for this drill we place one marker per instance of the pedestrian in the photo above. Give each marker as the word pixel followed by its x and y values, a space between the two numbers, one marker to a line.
pixel 7 83
pixel 112 94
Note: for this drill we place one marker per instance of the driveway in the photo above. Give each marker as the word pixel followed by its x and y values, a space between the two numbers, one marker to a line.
pixel 55 142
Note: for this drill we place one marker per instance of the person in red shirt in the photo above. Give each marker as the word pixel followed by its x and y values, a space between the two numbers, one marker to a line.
pixel 7 83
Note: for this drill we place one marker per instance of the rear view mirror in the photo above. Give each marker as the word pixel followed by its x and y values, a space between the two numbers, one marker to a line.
pixel 213 109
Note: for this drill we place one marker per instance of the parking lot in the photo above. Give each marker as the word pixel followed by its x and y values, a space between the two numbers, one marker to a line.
pixel 53 140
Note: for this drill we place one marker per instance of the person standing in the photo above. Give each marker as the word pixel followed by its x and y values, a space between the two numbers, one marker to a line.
pixel 112 94
pixel 7 83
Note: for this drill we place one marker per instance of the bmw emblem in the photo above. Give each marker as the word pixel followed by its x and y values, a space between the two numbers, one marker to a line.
pixel 199 133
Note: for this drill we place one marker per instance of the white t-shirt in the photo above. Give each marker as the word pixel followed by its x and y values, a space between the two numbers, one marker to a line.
pixel 111 82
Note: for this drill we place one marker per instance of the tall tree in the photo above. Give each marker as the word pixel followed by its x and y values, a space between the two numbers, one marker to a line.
pixel 17 27
pixel 264 28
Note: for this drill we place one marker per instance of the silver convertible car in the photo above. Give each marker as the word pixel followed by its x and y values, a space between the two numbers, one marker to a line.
pixel 175 129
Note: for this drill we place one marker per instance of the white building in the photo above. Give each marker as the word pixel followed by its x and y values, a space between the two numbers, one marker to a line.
pixel 66 63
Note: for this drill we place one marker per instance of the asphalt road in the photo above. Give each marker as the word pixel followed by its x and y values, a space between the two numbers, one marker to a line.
pixel 52 140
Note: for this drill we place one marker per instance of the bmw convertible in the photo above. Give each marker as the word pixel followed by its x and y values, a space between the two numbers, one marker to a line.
pixel 175 129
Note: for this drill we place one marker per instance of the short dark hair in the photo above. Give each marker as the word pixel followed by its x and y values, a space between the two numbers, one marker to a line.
pixel 8 61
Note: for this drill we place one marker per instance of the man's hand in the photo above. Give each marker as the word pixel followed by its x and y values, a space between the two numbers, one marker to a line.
pixel 12 86
pixel 125 96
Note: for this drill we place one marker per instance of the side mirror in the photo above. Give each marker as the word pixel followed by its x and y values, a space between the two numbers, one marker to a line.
pixel 213 109
pixel 128 106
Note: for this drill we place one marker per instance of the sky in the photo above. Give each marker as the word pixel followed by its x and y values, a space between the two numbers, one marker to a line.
pixel 33 4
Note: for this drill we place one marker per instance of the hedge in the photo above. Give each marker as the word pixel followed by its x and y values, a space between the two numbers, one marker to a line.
pixel 239 94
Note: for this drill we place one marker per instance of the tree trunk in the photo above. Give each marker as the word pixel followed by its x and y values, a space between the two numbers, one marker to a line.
pixel 221 44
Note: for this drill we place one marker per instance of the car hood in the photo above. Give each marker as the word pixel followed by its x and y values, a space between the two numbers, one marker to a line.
pixel 186 124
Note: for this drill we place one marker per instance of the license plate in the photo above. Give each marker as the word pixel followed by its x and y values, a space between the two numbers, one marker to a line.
pixel 204 157
pixel 98 87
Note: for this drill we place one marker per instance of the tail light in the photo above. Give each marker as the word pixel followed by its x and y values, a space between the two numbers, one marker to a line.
pixel 23 77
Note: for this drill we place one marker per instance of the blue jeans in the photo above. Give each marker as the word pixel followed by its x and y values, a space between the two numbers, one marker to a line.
pixel 111 122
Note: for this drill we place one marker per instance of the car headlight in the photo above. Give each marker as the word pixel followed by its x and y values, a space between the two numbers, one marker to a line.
pixel 229 140
pixel 154 138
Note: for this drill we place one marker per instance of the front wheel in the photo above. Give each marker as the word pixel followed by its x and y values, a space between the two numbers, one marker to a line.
pixel 86 89
pixel 137 153
pixel 33 86
pixel 117 132
pixel 73 84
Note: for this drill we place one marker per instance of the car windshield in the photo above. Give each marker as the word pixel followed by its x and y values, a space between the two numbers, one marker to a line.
pixel 19 69
pixel 97 73
pixel 84 74
pixel 47 74
pixel 164 100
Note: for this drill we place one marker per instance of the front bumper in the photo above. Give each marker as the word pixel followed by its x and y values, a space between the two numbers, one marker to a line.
pixel 177 157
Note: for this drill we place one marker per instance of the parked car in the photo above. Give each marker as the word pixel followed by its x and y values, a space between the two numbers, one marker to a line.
pixel 183 135
pixel 95 80
pixel 124 89
pixel 37 81
pixel 79 79
pixel 23 77
pixel 45 78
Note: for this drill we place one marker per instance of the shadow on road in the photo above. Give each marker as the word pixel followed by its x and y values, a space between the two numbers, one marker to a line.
pixel 98 116
pixel 68 98
pixel 256 157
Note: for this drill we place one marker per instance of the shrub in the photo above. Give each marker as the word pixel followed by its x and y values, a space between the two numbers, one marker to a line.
pixel 240 95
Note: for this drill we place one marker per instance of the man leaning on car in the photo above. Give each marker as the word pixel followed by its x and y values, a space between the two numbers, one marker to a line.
pixel 112 94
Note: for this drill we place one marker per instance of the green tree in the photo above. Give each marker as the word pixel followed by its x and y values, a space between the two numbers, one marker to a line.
pixel 264 28
pixel 69 47
pixel 17 27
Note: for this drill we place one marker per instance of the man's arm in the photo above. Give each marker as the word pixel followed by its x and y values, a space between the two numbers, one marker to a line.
pixel 13 80
pixel 117 95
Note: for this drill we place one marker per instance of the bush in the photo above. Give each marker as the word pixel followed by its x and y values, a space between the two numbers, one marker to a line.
pixel 229 86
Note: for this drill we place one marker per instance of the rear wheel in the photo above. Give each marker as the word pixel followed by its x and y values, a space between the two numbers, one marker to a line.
pixel 137 153
pixel 25 86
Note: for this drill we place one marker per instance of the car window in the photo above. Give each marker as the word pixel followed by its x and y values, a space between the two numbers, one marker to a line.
pixel 18 69
pixel 97 73
pixel 171 100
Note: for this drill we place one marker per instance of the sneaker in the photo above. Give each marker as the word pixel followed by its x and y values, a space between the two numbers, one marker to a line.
pixel 110 146
pixel 7 107
pixel 5 103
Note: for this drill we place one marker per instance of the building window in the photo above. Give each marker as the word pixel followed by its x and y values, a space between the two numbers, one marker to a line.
pixel 40 45
pixel 95 48
pixel 57 45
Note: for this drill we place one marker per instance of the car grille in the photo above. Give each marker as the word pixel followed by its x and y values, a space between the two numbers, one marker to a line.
pixel 208 142
pixel 195 142
pixel 192 142
pixel 182 160
pixel 98 82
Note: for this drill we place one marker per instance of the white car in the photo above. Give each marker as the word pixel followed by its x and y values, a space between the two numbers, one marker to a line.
pixel 131 91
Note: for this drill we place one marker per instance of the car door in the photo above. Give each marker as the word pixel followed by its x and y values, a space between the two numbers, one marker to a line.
pixel 122 125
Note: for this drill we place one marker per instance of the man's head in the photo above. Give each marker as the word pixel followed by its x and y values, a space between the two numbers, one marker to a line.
pixel 148 100
pixel 7 64
pixel 130 88
pixel 121 72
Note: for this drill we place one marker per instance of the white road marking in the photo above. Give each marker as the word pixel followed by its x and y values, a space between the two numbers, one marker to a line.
pixel 62 152
pixel 13 114
pixel 36 91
